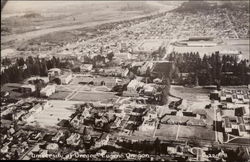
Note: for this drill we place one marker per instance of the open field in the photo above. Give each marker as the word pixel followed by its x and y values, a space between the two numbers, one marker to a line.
pixel 196 98
pixel 93 96
pixel 52 115
pixel 195 132
pixel 60 95
pixel 167 132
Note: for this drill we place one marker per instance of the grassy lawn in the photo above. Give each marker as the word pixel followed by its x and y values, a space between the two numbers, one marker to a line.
pixel 195 132
pixel 166 132
pixel 60 95
pixel 93 96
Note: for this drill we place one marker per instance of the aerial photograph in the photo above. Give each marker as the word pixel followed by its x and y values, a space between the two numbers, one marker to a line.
pixel 110 80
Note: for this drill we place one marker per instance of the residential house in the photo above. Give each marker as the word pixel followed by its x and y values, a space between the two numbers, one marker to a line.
pixel 103 140
pixel 242 130
pixel 27 89
pixel 54 72
pixel 86 67
pixel 227 125
pixel 74 139
pixel 52 148
pixel 134 85
pixel 58 136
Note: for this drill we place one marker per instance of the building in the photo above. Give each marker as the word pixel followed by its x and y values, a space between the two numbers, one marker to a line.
pixel 103 140
pixel 227 125
pixel 133 85
pixel 54 72
pixel 27 89
pixel 29 117
pixel 242 131
pixel 52 148
pixel 86 67
pixel 149 89
pixel 48 90
pixel 66 78
pixel 58 136
pixel 74 139
pixel 32 80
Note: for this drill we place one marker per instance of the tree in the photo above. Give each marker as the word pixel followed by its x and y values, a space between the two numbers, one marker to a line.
pixel 44 69
pixel 110 56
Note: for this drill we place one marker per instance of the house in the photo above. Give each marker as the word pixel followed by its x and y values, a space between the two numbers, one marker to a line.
pixel 48 90
pixel 18 114
pixel 77 120
pixel 103 140
pixel 52 148
pixel 54 72
pixel 27 89
pixel 138 111
pixel 37 108
pixel 32 80
pixel 4 149
pixel 171 150
pixel 214 95
pixel 28 117
pixel 34 137
pixel 227 125
pixel 87 138
pixel 116 123
pixel 240 111
pixel 246 98
pixel 74 139
pixel 86 67
pixel 242 130
pixel 149 89
pixel 58 136
pixel 133 85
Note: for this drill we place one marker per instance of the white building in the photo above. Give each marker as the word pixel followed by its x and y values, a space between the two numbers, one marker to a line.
pixel 74 139
pixel 66 78
pixel 86 67
pixel 134 84
pixel 54 72
pixel 48 90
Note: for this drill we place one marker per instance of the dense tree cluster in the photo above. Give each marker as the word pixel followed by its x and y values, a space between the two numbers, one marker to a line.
pixel 31 66
pixel 210 70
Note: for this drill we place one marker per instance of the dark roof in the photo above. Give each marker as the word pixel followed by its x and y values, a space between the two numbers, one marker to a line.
pixel 188 114
pixel 227 123
pixel 240 111
pixel 130 127
pixel 242 128
pixel 240 120
pixel 138 110
pixel 134 118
